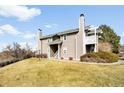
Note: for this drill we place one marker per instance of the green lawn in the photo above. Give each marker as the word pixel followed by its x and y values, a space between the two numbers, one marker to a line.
pixel 32 72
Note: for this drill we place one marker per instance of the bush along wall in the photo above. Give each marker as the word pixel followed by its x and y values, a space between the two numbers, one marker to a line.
pixel 9 61
pixel 99 57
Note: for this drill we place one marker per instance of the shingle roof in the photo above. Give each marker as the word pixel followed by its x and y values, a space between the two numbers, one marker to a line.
pixel 61 33
pixel 64 32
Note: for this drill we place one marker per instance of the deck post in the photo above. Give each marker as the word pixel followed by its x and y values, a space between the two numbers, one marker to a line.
pixel 49 52
pixel 58 51
pixel 96 41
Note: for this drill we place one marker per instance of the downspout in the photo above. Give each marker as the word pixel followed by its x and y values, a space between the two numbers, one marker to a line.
pixel 76 47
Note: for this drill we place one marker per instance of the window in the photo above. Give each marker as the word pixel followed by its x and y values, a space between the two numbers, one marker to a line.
pixel 65 51
pixel 56 37
pixel 48 40
pixel 65 37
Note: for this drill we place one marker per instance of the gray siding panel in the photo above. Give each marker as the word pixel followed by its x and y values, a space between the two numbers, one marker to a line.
pixel 68 44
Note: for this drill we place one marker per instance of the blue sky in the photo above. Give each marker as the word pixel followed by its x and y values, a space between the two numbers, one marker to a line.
pixel 20 23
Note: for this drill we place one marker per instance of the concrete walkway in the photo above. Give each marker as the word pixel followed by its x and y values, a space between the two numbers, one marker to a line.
pixel 120 62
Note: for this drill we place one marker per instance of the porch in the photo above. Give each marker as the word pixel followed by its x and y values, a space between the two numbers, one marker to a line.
pixel 55 49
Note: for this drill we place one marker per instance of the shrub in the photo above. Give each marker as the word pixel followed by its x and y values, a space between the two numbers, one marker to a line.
pixel 70 58
pixel 62 58
pixel 100 57
pixel 37 56
pixel 44 56
pixel 41 56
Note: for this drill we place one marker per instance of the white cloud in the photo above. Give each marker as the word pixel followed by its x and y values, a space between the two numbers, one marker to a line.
pixel 7 28
pixel 23 13
pixel 3 46
pixel 1 32
pixel 55 24
pixel 28 35
pixel 23 44
pixel 122 34
pixel 50 25
pixel 30 44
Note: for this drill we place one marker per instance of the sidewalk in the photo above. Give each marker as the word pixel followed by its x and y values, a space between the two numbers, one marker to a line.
pixel 75 61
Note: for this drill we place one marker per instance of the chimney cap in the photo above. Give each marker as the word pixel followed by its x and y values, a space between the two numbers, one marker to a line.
pixel 39 29
pixel 81 14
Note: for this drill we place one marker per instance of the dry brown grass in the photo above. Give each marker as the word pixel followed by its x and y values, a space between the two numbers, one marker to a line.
pixel 32 72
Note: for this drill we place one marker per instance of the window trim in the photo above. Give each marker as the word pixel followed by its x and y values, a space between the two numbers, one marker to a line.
pixel 48 40
pixel 65 51
pixel 64 37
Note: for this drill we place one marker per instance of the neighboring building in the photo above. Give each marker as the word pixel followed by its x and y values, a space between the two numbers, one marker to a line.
pixel 121 51
pixel 71 43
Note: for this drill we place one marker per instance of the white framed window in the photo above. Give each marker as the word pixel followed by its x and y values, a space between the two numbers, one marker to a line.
pixel 65 51
pixel 48 40
pixel 65 37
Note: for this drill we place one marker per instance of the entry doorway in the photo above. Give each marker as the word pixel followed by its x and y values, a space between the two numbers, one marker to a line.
pixel 90 48
pixel 54 51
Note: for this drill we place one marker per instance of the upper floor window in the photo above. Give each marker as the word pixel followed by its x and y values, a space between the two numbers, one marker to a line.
pixel 48 40
pixel 56 37
pixel 65 37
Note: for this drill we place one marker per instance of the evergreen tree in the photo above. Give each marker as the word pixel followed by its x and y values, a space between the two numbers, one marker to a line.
pixel 110 36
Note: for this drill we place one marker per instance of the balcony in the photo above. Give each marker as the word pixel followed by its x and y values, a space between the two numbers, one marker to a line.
pixel 90 39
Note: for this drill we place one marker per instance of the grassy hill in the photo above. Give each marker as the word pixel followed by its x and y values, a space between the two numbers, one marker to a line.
pixel 32 72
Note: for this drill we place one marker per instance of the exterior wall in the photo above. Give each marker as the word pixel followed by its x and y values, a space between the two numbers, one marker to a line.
pixel 93 39
pixel 75 44
pixel 39 47
pixel 69 44
pixel 81 47
pixel 45 46
pixel 90 39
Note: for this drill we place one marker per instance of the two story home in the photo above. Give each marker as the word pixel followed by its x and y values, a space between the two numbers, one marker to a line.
pixel 71 43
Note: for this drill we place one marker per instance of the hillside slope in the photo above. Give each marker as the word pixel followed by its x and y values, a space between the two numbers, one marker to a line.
pixel 32 72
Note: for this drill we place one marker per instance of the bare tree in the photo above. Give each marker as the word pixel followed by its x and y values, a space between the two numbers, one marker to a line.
pixel 18 52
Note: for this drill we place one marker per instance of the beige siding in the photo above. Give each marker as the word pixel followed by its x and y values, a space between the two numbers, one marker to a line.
pixel 81 49
pixel 68 44
pixel 45 46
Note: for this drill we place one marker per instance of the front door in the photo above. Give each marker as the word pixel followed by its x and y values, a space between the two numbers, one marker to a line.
pixel 54 51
